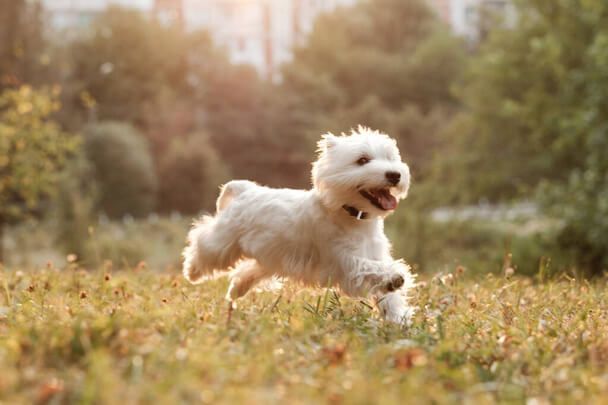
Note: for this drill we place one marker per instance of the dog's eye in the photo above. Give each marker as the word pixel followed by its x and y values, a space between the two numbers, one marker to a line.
pixel 363 160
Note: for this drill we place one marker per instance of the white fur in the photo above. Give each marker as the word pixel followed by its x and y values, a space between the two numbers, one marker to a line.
pixel 307 235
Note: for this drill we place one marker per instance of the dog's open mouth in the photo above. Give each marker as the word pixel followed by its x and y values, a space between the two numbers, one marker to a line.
pixel 381 198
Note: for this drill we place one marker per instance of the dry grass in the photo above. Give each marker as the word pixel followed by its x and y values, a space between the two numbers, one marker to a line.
pixel 75 336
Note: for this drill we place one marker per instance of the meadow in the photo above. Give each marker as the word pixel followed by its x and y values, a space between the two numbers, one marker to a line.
pixel 141 335
pixel 105 161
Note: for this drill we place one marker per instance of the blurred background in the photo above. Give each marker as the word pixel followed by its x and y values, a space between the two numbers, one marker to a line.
pixel 120 119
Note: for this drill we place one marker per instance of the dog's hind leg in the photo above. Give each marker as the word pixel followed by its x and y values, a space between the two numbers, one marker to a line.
pixel 209 248
pixel 247 274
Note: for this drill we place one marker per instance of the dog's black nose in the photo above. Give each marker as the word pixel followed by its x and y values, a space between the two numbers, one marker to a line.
pixel 393 177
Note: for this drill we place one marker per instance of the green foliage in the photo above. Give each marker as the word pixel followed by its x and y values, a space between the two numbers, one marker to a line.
pixel 170 84
pixel 536 112
pixel 479 245
pixel 125 64
pixel 386 64
pixel 581 201
pixel 250 128
pixel 33 151
pixel 123 168
pixel 71 336
pixel 190 174
pixel 95 240
pixel 373 64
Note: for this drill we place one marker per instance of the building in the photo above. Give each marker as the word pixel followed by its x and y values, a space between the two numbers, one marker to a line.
pixel 169 11
pixel 259 32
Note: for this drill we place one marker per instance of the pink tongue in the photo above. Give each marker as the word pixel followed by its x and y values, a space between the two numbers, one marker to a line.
pixel 386 200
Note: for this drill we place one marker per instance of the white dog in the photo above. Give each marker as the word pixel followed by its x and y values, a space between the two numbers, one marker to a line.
pixel 333 233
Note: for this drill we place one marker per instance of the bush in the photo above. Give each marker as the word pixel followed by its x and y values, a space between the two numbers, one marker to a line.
pixel 158 241
pixel 480 244
pixel 190 174
pixel 33 153
pixel 123 168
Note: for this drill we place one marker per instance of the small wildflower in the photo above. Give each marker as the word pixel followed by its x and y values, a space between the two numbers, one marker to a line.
pixel 408 359
pixel 460 270
pixel 83 294
pixel 71 258
pixel 472 300
pixel 174 283
pixel 334 354
pixel 116 292
pixel 49 265
pixel 181 353
pixel 164 300
pixel 509 271
pixel 107 277
pixel 447 279
pixel 48 390
pixel 31 288
pixel 141 266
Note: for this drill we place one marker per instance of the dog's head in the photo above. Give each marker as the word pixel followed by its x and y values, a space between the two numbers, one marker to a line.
pixel 362 170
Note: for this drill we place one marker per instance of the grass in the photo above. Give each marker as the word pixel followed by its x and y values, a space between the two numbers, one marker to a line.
pixel 106 337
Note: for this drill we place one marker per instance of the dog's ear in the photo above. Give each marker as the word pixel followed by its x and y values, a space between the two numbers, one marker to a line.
pixel 327 142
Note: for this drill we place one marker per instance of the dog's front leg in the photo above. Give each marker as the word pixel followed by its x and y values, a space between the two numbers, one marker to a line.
pixel 374 275
pixel 395 308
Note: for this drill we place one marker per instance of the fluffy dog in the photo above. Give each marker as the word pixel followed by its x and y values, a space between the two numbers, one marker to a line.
pixel 333 233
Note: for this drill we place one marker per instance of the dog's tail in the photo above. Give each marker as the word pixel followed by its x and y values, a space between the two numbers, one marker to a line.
pixel 193 269
pixel 230 191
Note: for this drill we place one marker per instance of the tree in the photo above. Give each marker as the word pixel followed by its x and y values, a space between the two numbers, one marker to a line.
pixel 126 64
pixel 23 48
pixel 388 64
pixel 190 174
pixel 123 168
pixel 170 84
pixel 537 113
pixel 378 63
pixel 33 151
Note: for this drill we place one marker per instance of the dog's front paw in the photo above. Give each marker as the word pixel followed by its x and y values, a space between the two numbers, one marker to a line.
pixel 398 272
pixel 396 282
